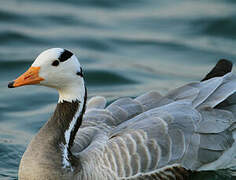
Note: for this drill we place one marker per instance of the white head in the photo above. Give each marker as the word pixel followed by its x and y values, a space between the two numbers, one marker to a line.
pixel 56 68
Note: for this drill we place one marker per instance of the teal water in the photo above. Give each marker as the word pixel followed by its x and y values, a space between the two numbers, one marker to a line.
pixel 126 48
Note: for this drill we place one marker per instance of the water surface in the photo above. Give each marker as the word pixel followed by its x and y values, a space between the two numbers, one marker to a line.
pixel 126 48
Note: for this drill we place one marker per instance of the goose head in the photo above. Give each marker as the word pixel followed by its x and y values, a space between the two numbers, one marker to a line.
pixel 56 68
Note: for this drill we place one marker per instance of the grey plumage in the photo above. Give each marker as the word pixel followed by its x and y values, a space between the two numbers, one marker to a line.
pixel 191 128
pixel 142 135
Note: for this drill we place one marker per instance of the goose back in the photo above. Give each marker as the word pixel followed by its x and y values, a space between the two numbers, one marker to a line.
pixel 133 138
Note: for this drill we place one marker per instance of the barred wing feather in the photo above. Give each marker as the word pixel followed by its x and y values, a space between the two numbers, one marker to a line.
pixel 154 136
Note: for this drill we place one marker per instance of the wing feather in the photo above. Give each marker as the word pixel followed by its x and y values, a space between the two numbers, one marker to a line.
pixel 215 120
pixel 128 105
pixel 149 100
pixel 98 102
pixel 223 91
pixel 139 137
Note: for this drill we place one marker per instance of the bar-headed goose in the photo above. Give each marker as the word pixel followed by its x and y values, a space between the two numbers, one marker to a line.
pixel 192 128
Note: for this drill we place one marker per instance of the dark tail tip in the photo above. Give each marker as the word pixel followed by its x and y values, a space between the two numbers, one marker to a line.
pixel 10 84
pixel 222 67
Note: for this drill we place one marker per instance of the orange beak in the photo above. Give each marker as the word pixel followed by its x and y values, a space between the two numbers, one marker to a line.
pixel 31 76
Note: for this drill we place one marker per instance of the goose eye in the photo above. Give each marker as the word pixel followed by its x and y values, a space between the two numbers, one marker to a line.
pixel 55 63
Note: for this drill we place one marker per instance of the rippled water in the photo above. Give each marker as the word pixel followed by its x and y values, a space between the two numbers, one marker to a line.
pixel 126 48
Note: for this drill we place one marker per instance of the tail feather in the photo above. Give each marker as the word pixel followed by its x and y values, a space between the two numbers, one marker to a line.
pixel 220 96
pixel 222 67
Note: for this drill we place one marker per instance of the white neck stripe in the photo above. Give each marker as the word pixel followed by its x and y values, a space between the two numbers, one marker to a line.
pixel 67 135
pixel 69 95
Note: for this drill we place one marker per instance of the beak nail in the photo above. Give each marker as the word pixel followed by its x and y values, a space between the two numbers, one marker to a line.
pixel 10 84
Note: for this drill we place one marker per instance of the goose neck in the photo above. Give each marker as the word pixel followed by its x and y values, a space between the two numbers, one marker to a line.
pixel 68 118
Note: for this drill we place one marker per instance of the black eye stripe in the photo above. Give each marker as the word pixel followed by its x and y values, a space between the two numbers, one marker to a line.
pixel 55 63
pixel 65 55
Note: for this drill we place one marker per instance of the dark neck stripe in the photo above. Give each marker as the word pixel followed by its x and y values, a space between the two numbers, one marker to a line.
pixel 80 73
pixel 65 55
pixel 78 122
pixel 60 123
pixel 63 115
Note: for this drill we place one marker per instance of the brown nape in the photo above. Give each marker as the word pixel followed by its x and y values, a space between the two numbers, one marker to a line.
pixel 222 67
